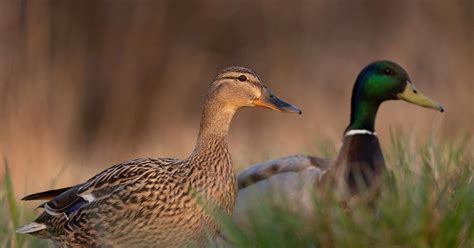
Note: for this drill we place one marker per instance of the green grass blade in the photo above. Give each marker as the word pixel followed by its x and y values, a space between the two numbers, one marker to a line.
pixel 13 210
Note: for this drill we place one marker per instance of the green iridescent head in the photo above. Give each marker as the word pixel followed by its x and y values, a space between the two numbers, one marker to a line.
pixel 378 82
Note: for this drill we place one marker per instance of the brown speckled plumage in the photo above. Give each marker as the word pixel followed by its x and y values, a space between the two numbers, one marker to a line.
pixel 156 202
pixel 156 205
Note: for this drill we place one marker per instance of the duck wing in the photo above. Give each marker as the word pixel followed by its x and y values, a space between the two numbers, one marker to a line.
pixel 62 202
pixel 69 199
pixel 287 182
pixel 45 195
pixel 267 169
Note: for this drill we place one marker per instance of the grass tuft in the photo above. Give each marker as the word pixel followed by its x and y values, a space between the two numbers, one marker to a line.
pixel 15 240
pixel 427 200
pixel 11 216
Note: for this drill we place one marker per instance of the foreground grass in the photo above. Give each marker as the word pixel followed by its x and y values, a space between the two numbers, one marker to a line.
pixel 12 216
pixel 427 201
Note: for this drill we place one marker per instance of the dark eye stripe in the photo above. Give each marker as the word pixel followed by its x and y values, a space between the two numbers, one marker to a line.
pixel 229 77
pixel 232 77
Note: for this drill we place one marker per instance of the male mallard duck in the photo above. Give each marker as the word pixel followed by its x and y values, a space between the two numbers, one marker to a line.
pixel 359 162
pixel 150 202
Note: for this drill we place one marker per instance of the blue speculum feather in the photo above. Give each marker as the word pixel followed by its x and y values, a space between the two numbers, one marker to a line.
pixel 74 207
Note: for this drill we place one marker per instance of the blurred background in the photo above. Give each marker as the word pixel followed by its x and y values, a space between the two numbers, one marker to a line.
pixel 86 84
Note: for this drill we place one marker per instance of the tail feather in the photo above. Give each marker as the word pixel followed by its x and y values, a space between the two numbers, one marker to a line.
pixel 46 195
pixel 31 227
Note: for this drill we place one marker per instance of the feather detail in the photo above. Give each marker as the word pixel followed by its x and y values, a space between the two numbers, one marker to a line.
pixel 46 195
pixel 31 227
pixel 88 197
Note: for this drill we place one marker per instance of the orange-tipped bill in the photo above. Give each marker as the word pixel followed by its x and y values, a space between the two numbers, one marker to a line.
pixel 269 100
pixel 411 94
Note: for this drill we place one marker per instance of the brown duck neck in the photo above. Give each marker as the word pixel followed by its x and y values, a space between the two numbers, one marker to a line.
pixel 213 173
pixel 215 122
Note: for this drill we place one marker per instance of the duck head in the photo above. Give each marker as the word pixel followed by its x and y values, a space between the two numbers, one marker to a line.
pixel 237 87
pixel 378 82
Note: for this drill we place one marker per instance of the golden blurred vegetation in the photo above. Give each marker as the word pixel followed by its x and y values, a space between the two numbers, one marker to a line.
pixel 86 84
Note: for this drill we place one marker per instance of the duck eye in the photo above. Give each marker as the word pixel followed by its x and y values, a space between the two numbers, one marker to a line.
pixel 242 78
pixel 388 71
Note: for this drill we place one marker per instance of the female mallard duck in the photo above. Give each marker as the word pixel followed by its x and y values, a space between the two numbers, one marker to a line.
pixel 359 162
pixel 150 202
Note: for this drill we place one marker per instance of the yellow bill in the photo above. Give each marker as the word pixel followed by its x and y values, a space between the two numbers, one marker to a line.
pixel 411 94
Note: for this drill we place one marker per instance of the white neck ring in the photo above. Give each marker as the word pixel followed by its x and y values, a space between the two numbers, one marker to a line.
pixel 358 132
